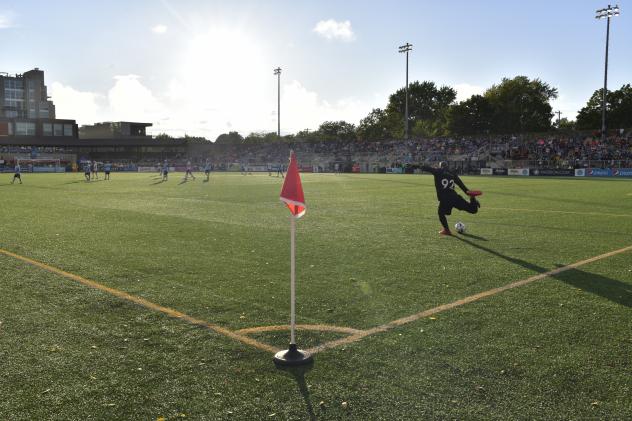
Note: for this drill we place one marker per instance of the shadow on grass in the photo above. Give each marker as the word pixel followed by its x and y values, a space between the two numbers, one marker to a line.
pixel 83 180
pixel 298 374
pixel 608 288
pixel 474 237
pixel 158 182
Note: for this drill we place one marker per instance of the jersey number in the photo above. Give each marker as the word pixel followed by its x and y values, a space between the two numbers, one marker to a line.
pixel 447 183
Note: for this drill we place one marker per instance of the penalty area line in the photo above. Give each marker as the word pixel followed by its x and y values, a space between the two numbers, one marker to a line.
pixel 144 303
pixel 358 336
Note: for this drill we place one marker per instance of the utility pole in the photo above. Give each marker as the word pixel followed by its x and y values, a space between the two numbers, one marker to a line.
pixel 606 13
pixel 277 72
pixel 559 117
pixel 406 48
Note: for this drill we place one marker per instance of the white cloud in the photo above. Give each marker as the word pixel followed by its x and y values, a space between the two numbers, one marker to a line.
pixel 73 104
pixel 465 91
pixel 7 20
pixel 159 29
pixel 302 109
pixel 129 99
pixel 224 82
pixel 332 29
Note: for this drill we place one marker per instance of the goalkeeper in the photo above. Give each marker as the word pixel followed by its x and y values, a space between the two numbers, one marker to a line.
pixel 448 198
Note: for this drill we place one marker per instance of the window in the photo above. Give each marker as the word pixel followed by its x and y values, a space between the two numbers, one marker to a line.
pixel 67 129
pixel 24 129
pixel 43 113
pixel 59 130
pixel 10 114
pixel 47 129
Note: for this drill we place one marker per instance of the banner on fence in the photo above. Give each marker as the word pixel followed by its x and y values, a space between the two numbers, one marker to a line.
pixel 553 172
pixel 599 172
pixel 486 171
pixel 524 172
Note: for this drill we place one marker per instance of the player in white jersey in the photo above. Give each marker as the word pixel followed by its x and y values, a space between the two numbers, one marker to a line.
pixel 17 174
pixel 95 170
pixel 189 172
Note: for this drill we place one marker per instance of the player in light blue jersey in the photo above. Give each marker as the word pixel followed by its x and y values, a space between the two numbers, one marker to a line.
pixel 165 171
pixel 86 170
pixel 207 170
pixel 106 169
pixel 18 173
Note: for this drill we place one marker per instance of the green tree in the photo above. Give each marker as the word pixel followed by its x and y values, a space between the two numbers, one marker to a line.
pixel 618 108
pixel 229 138
pixel 521 105
pixel 163 136
pixel 262 137
pixel 337 130
pixel 380 124
pixel 425 100
pixel 472 116
pixel 566 124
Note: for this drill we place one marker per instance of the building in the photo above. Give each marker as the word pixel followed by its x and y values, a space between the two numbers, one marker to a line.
pixel 115 130
pixel 26 110
pixel 25 96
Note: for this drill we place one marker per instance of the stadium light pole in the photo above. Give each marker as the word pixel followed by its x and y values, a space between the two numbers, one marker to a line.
pixel 406 48
pixel 605 13
pixel 559 118
pixel 277 72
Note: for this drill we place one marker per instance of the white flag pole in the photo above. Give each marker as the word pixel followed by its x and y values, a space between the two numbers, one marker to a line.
pixel 292 280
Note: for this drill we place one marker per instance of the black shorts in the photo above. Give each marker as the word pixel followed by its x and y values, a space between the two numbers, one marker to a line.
pixel 453 201
pixel 107 173
pixel 87 173
pixel 17 175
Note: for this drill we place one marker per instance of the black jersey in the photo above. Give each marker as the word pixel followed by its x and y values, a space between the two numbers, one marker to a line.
pixel 445 182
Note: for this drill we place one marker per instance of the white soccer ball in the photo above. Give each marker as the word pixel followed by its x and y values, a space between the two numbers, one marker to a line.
pixel 459 227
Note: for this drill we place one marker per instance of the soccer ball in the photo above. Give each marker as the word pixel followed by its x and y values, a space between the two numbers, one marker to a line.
pixel 459 227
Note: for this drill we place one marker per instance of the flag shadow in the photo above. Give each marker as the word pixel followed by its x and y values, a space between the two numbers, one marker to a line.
pixel 608 288
pixel 298 374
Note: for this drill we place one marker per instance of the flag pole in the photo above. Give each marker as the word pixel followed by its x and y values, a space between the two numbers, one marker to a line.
pixel 292 281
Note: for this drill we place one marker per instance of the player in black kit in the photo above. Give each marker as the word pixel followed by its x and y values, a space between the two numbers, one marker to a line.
pixel 448 198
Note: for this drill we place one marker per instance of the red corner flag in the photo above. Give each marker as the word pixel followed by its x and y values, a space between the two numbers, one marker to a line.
pixel 292 192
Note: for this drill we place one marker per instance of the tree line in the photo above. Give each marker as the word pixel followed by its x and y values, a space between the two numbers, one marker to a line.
pixel 513 106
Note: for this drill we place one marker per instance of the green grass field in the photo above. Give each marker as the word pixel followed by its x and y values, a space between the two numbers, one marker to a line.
pixel 367 253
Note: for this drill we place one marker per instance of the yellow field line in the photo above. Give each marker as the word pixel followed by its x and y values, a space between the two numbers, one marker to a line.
pixel 426 313
pixel 144 303
pixel 318 328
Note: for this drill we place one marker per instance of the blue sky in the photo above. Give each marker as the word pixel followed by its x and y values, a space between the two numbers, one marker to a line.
pixel 205 67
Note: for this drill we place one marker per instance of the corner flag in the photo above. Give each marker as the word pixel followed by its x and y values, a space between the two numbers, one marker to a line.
pixel 292 196
pixel 292 192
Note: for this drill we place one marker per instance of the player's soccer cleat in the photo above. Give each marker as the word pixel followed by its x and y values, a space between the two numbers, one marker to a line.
pixel 445 232
pixel 476 202
pixel 474 193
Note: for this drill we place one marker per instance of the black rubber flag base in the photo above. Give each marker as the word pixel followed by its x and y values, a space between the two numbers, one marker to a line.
pixel 293 357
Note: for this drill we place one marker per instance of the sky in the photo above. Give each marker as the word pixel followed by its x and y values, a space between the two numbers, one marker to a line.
pixel 204 67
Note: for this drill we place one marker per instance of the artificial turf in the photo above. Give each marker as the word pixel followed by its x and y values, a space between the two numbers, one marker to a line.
pixel 367 253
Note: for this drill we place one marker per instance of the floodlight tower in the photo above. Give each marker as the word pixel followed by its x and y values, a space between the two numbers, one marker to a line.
pixel 406 48
pixel 277 72
pixel 606 13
